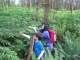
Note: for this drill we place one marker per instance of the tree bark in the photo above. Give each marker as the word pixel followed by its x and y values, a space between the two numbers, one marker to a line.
pixel 37 2
pixel 46 12
pixel 71 5
pixel 30 49
pixel 29 3
pixel 29 56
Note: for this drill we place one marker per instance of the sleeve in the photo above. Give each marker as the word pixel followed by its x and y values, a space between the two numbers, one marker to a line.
pixel 45 34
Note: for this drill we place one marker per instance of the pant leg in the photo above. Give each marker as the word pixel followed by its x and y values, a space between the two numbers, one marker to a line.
pixel 46 50
pixel 49 48
pixel 43 57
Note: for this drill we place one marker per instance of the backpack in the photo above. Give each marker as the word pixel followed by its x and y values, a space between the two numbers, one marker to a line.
pixel 52 35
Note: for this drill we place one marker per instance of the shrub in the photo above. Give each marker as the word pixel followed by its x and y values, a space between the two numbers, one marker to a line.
pixel 7 54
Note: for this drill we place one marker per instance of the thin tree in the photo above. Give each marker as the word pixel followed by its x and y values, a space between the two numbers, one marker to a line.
pixel 29 3
pixel 31 43
pixel 8 2
pixel 71 5
pixel 29 57
pixel 46 12
pixel 37 2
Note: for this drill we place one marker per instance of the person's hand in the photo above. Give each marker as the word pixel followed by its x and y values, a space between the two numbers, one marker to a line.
pixel 25 35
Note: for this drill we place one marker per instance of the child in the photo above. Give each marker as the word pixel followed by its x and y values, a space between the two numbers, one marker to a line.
pixel 38 48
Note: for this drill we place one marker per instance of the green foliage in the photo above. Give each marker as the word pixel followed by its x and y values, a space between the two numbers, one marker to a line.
pixel 13 21
pixel 7 54
pixel 67 27
pixel 17 19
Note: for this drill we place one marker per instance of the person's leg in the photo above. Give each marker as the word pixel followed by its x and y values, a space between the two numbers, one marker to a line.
pixel 53 53
pixel 48 49
pixel 47 53
pixel 52 50
pixel 43 57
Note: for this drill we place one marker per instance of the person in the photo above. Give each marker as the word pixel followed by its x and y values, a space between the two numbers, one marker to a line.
pixel 46 33
pixel 38 48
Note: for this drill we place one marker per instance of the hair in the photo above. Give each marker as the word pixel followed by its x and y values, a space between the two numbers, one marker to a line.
pixel 37 34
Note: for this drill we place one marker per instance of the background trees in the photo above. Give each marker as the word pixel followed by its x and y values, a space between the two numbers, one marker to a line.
pixel 54 4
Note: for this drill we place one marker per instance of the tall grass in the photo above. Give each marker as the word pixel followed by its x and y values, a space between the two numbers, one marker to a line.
pixel 67 26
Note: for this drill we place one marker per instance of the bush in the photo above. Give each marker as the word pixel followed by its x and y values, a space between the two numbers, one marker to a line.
pixel 14 20
pixel 7 54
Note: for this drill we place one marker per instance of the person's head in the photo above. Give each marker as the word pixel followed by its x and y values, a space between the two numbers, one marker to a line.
pixel 41 27
pixel 46 27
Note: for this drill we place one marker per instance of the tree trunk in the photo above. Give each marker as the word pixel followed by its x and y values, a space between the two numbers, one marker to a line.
pixel 29 3
pixel 30 50
pixel 37 5
pixel 8 2
pixel 52 4
pixel 37 2
pixel 46 12
pixel 71 5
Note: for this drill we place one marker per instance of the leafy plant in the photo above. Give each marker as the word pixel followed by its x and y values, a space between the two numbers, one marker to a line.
pixel 7 54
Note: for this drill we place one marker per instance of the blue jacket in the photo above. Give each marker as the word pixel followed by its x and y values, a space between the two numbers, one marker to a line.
pixel 38 47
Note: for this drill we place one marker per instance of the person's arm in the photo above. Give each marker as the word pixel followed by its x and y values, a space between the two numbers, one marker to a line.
pixel 39 34
pixel 54 37
pixel 25 35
